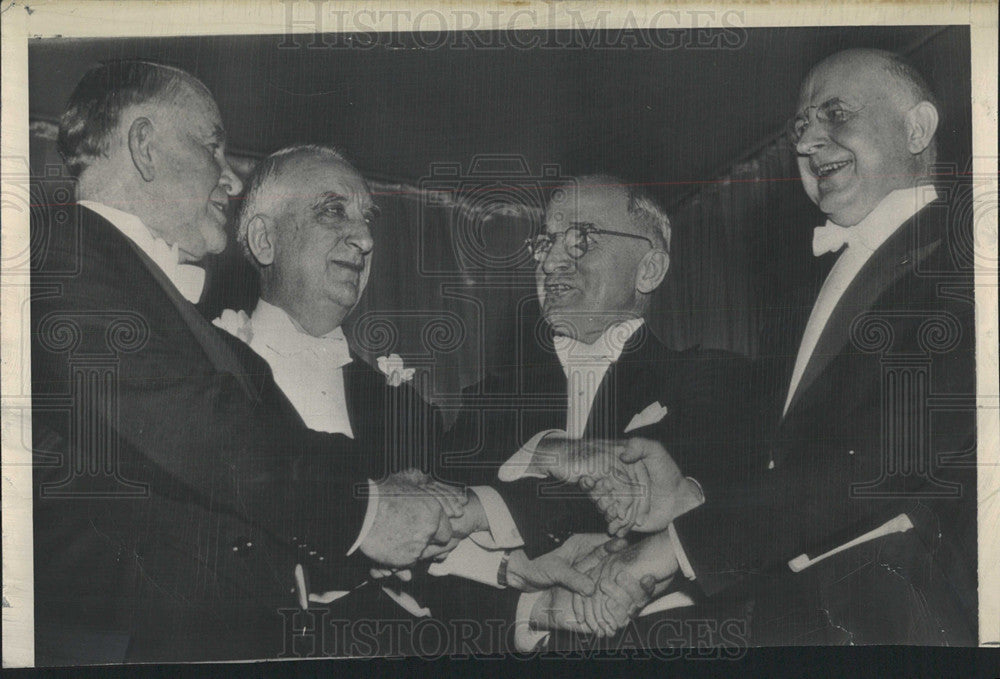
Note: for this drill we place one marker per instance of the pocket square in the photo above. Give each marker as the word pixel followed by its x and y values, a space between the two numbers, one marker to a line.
pixel 652 414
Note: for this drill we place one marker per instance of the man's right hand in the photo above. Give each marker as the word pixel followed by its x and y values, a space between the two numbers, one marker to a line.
pixel 664 493
pixel 412 521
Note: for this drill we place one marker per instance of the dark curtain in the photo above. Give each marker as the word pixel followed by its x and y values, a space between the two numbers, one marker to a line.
pixel 448 283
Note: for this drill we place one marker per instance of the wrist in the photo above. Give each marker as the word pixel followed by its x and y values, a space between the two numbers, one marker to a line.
pixel 516 569
pixel 656 557
pixel 475 514
pixel 548 456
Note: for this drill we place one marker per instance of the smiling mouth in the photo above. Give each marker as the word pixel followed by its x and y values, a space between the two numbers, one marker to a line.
pixel 352 266
pixel 827 169
pixel 557 289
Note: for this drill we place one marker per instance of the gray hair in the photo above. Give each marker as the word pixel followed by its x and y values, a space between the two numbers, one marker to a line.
pixel 259 196
pixel 94 111
pixel 643 208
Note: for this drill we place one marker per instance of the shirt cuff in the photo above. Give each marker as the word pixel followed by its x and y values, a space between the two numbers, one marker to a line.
pixel 516 467
pixel 369 520
pixel 682 559
pixel 525 638
pixel 503 532
pixel 469 560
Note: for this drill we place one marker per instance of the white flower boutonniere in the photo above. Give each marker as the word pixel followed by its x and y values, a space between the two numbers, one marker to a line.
pixel 395 373
pixel 235 323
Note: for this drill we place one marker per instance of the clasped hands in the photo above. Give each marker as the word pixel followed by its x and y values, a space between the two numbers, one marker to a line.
pixel 637 486
pixel 588 584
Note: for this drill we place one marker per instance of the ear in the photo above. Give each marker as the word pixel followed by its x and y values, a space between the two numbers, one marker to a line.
pixel 921 125
pixel 260 239
pixel 140 138
pixel 652 269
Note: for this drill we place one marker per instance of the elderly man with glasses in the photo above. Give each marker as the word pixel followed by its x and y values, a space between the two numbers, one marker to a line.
pixel 592 382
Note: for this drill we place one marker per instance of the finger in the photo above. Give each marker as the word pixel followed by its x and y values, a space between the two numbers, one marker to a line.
pixel 451 501
pixel 591 617
pixel 457 493
pixel 586 483
pixel 615 545
pixel 579 612
pixel 637 594
pixel 648 584
pixel 617 602
pixel 405 575
pixel 645 494
pixel 634 451
pixel 633 510
pixel 608 620
pixel 437 552
pixel 572 579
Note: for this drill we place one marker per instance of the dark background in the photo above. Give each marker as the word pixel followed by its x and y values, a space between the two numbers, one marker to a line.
pixel 699 124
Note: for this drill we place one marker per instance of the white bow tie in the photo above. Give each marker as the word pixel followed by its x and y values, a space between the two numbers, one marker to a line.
pixel 831 238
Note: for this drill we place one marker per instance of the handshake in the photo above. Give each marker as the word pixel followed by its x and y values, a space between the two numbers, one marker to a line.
pixel 590 583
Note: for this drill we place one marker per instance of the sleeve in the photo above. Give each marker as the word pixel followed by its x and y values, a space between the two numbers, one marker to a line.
pixel 517 465
pixel 478 556
pixel 185 426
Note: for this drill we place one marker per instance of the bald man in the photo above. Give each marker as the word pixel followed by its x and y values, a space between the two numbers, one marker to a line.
pixel 860 525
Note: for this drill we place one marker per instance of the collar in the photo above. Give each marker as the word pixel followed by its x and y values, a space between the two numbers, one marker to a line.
pixel 273 327
pixel 606 349
pixel 894 211
pixel 189 279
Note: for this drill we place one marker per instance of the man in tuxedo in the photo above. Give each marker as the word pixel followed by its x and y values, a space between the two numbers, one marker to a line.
pixel 306 225
pixel 177 493
pixel 590 376
pixel 859 527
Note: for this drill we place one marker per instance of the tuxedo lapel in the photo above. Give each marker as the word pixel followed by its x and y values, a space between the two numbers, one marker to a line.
pixel 205 334
pixel 627 386
pixel 899 255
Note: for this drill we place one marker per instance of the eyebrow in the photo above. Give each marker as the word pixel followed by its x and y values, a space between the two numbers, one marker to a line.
pixel 582 224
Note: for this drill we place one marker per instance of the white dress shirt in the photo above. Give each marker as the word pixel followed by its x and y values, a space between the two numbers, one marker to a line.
pixel 865 238
pixel 309 369
pixel 187 278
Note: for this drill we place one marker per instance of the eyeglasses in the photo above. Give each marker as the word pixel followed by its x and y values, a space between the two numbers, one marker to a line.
pixel 832 113
pixel 577 241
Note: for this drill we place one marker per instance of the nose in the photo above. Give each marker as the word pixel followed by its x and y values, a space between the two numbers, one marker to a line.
pixel 228 179
pixel 360 236
pixel 556 260
pixel 813 139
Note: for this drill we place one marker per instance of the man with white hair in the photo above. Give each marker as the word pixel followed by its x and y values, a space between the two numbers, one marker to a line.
pixel 177 493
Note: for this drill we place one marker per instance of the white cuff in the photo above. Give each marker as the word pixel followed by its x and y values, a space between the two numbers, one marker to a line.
pixel 369 520
pixel 503 533
pixel 525 638
pixel 516 467
pixel 682 559
pixel 469 560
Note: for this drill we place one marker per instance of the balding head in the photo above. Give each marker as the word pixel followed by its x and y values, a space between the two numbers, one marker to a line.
pixel 305 224
pixel 867 121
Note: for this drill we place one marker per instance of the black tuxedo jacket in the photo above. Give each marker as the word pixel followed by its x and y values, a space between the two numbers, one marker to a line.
pixel 175 487
pixel 882 423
